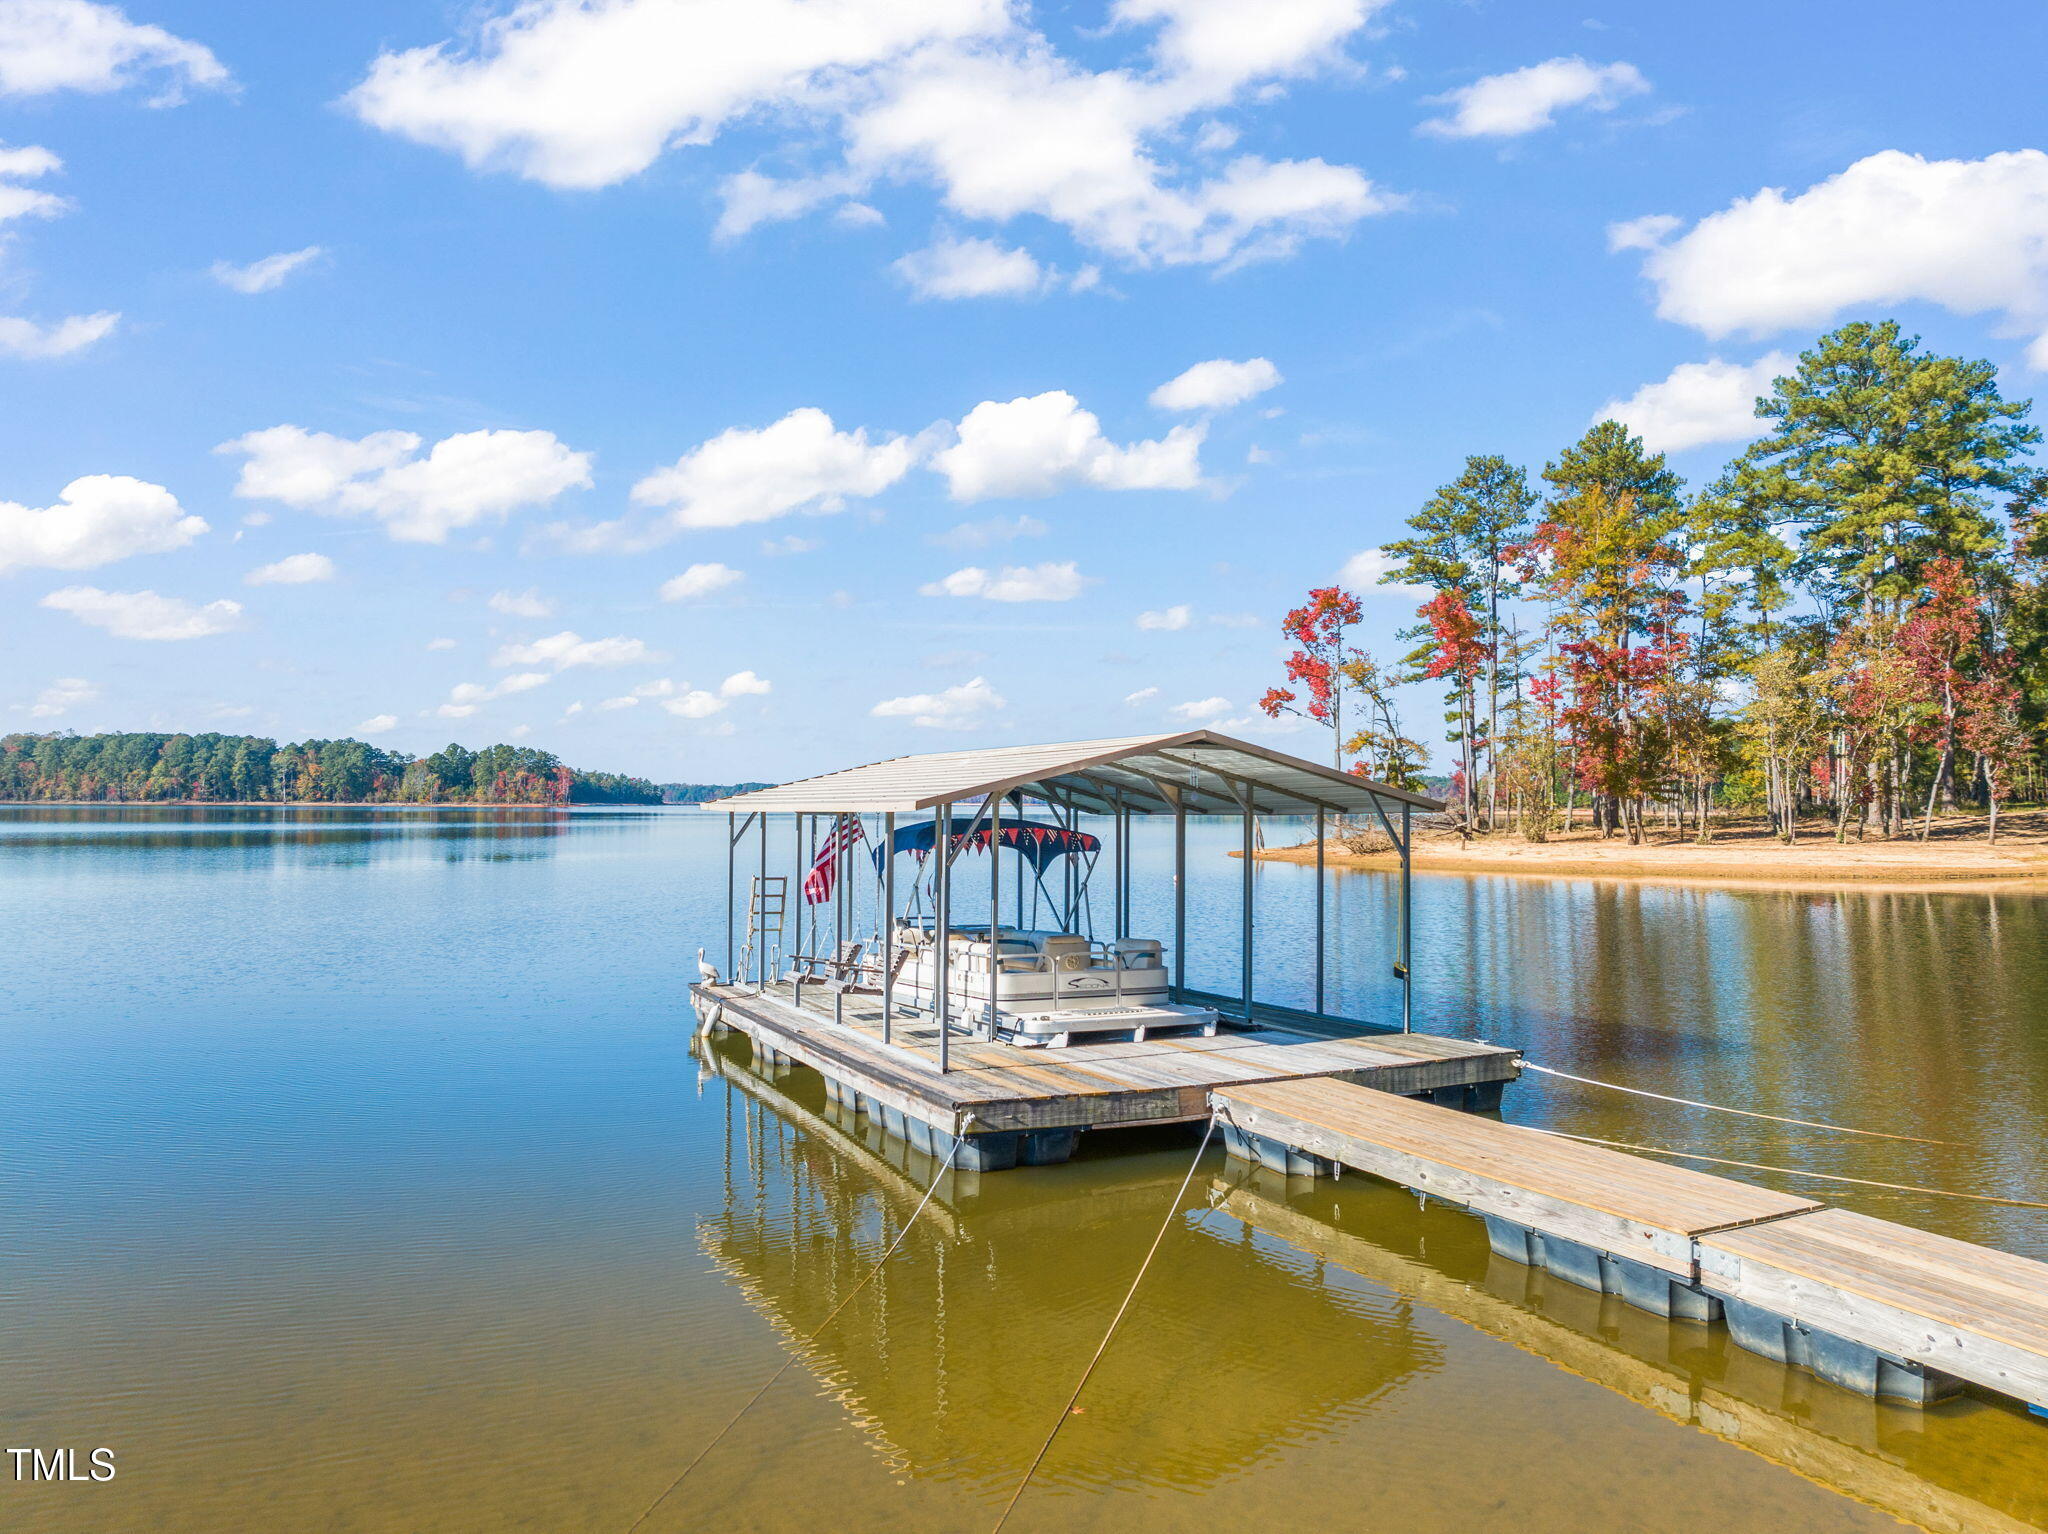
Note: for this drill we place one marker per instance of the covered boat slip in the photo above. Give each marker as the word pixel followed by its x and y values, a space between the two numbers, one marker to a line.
pixel 1040 972
pixel 986 1015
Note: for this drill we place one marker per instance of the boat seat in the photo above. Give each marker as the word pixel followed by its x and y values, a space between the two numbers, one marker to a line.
pixel 1140 952
pixel 1068 952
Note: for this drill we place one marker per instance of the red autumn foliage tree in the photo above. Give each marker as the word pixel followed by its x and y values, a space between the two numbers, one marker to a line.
pixel 1457 650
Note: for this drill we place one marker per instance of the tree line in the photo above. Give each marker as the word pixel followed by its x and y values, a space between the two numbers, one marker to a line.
pixel 145 767
pixel 1850 620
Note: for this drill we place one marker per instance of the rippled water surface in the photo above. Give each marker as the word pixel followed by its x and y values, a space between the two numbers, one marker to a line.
pixel 356 1174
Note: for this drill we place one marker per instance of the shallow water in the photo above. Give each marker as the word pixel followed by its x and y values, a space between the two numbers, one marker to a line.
pixel 356 1174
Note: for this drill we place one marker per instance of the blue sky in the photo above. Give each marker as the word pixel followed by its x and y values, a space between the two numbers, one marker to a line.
pixel 794 371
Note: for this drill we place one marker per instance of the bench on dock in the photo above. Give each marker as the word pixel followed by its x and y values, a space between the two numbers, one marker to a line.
pixel 1608 1221
pixel 1922 1312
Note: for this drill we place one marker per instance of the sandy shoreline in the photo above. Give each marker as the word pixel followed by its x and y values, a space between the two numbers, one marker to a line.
pixel 1740 856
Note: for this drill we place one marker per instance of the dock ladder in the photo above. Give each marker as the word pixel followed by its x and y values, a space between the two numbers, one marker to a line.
pixel 767 901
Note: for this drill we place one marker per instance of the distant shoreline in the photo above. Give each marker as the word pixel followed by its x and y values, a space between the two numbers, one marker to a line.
pixel 313 804
pixel 1742 856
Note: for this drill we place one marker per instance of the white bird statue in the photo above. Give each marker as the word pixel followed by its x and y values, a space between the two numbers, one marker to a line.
pixel 706 971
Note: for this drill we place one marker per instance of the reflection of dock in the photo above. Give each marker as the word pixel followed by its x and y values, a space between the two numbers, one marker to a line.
pixel 1840 1443
pixel 1011 1283
pixel 1007 1106
pixel 1877 1308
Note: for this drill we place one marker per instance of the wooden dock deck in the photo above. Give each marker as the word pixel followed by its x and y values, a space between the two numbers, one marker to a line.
pixel 1877 1308
pixel 1010 1106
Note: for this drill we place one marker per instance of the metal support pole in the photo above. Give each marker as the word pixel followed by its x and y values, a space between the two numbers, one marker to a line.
pixel 1320 817
pixel 942 890
pixel 796 836
pixel 1250 826
pixel 1180 894
pixel 888 926
pixel 842 895
pixel 760 936
pixel 732 885
pixel 1116 868
pixel 995 901
pixel 1407 973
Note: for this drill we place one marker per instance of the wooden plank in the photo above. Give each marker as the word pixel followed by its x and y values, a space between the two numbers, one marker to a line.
pixel 1605 1199
pixel 1858 1469
pixel 997 1086
pixel 1967 1310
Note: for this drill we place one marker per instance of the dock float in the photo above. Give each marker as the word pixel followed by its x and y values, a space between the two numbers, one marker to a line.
pixel 1874 1307
pixel 999 1107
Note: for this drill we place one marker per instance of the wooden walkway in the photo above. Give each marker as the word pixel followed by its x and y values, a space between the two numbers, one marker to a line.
pixel 1051 1095
pixel 1875 1307
pixel 1840 1442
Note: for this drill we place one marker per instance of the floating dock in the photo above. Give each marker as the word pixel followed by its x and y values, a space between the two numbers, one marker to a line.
pixel 999 1106
pixel 1877 1308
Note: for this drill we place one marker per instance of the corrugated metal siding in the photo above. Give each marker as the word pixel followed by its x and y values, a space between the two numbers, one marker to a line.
pixel 1213 768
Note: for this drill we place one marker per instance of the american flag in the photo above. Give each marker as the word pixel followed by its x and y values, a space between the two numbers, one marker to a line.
pixel 825 871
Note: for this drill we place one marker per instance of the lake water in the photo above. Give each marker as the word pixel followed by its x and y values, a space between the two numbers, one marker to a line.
pixel 356 1174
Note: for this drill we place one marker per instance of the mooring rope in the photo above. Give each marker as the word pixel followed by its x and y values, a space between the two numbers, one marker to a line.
pixel 1748 1113
pixel 1115 1321
pixel 754 1399
pixel 1791 1171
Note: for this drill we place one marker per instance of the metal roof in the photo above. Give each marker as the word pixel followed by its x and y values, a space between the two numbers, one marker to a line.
pixel 1147 774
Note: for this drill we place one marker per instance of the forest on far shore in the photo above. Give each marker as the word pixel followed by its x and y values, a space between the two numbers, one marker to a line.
pixel 138 766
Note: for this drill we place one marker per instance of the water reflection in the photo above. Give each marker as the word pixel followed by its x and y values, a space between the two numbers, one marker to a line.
pixel 952 1356
pixel 352 1177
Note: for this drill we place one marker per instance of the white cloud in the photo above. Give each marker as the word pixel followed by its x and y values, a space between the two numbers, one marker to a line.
pixel 1201 710
pixel 23 337
pixel 378 724
pixel 971 268
pixel 699 581
pixel 292 570
pixel 744 684
pixel 661 687
pixel 1645 233
pixel 38 342
pixel 521 604
pixel 699 703
pixel 1968 235
pixel 1049 582
pixel 695 704
pixel 776 548
pixel 992 530
pixel 440 644
pixel 1034 446
pixel 959 94
pixel 1216 385
pixel 58 45
pixel 574 95
pixel 62 696
pixel 1362 573
pixel 465 698
pixel 461 480
pixel 1698 403
pixel 610 705
pixel 1170 619
pixel 801 463
pixel 1142 695
pixel 964 707
pixel 97 519
pixel 25 163
pixel 568 648
pixel 1523 100
pixel 267 274
pixel 144 614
